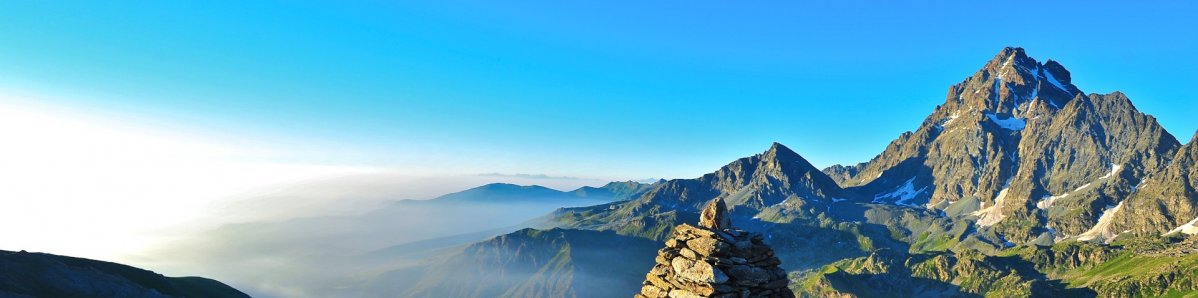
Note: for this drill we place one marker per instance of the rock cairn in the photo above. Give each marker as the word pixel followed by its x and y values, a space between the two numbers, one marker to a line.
pixel 715 260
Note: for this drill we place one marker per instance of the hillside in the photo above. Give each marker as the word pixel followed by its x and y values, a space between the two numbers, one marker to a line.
pixel 25 274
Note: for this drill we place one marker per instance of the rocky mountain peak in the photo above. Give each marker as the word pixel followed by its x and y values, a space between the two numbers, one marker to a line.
pixel 781 158
pixel 1012 83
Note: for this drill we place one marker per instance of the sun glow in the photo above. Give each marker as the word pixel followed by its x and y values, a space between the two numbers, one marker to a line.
pixel 77 185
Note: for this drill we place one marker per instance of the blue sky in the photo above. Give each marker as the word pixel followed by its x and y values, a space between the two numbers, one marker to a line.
pixel 597 89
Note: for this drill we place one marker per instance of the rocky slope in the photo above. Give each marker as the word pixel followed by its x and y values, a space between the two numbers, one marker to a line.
pixel 529 263
pixel 1166 203
pixel 24 274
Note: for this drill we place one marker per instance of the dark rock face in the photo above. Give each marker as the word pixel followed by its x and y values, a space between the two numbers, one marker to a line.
pixel 715 260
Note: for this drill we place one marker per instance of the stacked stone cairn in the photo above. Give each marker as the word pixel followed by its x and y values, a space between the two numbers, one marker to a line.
pixel 715 260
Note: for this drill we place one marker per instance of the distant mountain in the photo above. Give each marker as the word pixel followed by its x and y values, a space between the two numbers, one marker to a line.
pixel 511 193
pixel 503 192
pixel 325 253
pixel 24 274
pixel 1018 185
pixel 616 191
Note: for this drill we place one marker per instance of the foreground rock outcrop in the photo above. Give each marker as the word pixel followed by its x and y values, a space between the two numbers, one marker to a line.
pixel 715 260
pixel 29 274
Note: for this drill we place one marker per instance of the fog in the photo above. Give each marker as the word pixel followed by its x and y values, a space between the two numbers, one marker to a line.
pixel 319 236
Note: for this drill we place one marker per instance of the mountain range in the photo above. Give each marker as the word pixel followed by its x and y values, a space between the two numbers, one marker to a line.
pixel 1019 184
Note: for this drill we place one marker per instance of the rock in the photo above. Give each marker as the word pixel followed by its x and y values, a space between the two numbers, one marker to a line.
pixel 749 275
pixel 673 243
pixel 707 246
pixel 653 292
pixel 715 216
pixel 698 271
pixel 690 254
pixel 657 281
pixel 683 294
pixel 743 245
pixel 685 232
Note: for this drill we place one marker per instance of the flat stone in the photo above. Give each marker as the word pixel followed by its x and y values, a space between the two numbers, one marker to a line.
pixel 659 269
pixel 743 245
pixel 776 284
pixel 698 271
pixel 701 289
pixel 690 254
pixel 658 281
pixel 654 292
pixel 673 243
pixel 662 260
pixel 691 232
pixel 679 293
pixel 749 275
pixel 707 246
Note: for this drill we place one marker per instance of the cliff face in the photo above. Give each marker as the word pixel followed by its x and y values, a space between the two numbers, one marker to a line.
pixel 715 260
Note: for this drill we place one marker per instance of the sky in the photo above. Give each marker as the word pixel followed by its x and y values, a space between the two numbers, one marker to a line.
pixel 168 106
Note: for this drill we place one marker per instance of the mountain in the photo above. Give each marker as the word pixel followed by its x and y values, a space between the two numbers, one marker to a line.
pixel 511 193
pixel 503 192
pixel 777 180
pixel 529 263
pixel 24 274
pixel 616 191
pixel 325 253
pixel 1022 150
pixel 1019 184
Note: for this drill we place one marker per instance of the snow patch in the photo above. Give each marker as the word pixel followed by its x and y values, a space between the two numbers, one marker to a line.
pixel 904 193
pixel 1009 123
pixel 1047 201
pixel 1053 80
pixel 988 216
pixel 1190 228
pixel 1114 169
pixel 952 117
pixel 838 200
pixel 1080 188
pixel 1101 229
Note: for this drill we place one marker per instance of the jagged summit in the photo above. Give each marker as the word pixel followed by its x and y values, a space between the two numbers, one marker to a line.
pixel 1011 83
